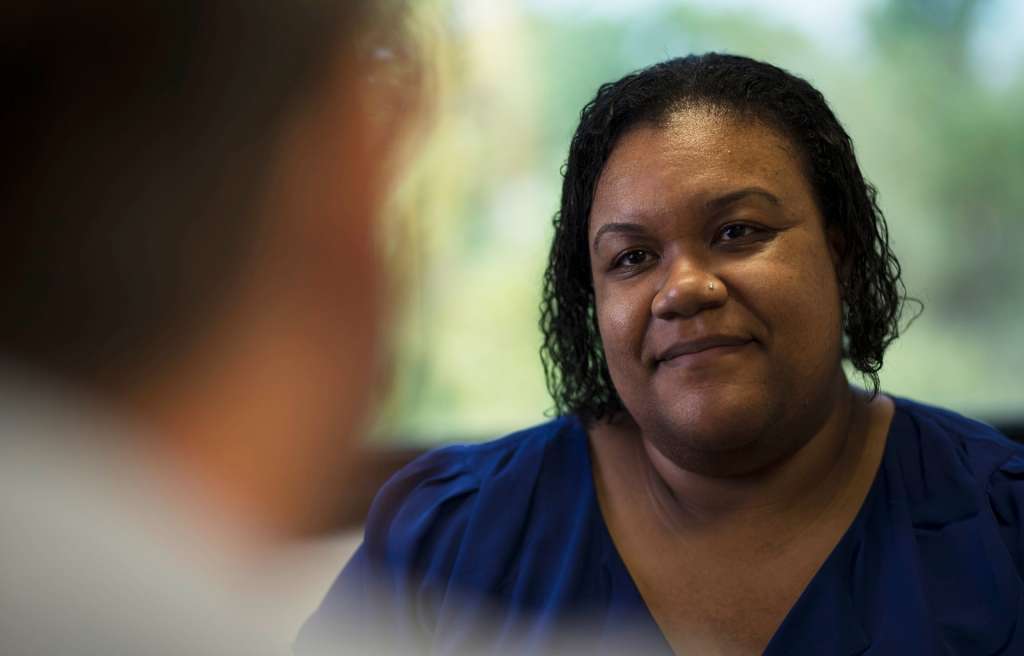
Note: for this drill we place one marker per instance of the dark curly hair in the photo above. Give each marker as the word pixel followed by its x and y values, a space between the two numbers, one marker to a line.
pixel 872 292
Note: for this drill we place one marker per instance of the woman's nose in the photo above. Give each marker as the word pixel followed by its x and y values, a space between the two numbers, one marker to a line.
pixel 688 289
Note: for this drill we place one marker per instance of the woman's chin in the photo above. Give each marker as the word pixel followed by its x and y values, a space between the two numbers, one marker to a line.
pixel 717 434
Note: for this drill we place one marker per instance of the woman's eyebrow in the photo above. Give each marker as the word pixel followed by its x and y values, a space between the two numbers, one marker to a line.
pixel 620 227
pixel 716 204
pixel 719 203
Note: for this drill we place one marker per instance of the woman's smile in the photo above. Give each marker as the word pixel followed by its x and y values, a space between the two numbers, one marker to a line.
pixel 703 351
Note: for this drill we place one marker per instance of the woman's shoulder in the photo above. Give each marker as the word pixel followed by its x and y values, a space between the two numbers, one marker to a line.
pixel 456 469
pixel 940 433
pixel 951 467
pixel 466 529
pixel 955 487
pixel 425 511
pixel 493 456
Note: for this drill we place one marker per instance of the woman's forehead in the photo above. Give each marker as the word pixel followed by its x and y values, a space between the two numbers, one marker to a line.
pixel 691 158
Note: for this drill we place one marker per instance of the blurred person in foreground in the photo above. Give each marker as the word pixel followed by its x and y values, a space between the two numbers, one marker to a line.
pixel 714 484
pixel 191 303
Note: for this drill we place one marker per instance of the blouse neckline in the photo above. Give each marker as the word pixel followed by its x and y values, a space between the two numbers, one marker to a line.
pixel 825 601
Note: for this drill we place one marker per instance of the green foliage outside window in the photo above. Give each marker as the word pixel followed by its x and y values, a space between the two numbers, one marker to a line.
pixel 937 118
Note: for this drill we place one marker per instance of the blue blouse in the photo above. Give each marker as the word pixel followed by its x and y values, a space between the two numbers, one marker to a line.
pixel 501 548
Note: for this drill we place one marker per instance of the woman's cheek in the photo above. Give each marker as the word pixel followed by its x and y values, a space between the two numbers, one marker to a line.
pixel 621 320
pixel 803 308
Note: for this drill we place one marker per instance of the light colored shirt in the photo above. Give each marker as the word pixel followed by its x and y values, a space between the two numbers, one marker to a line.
pixel 102 551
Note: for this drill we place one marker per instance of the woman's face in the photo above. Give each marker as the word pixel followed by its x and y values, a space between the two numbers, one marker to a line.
pixel 716 290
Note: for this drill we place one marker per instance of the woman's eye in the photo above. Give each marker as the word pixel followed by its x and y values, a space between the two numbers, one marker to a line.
pixel 735 231
pixel 633 258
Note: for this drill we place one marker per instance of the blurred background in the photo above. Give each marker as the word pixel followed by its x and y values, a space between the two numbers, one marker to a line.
pixel 932 92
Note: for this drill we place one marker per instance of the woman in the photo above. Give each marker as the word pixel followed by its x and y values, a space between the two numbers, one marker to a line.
pixel 714 484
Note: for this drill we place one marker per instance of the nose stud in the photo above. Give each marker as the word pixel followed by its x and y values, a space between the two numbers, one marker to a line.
pixel 711 286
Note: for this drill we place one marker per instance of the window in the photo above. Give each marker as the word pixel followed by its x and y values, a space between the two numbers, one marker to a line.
pixel 932 94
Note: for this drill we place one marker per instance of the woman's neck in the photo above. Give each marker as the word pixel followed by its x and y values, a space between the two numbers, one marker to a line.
pixel 805 478
pixel 797 489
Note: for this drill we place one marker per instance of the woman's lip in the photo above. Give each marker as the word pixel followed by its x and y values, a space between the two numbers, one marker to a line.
pixel 701 349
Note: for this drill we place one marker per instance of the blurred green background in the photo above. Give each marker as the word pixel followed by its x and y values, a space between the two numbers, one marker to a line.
pixel 932 92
